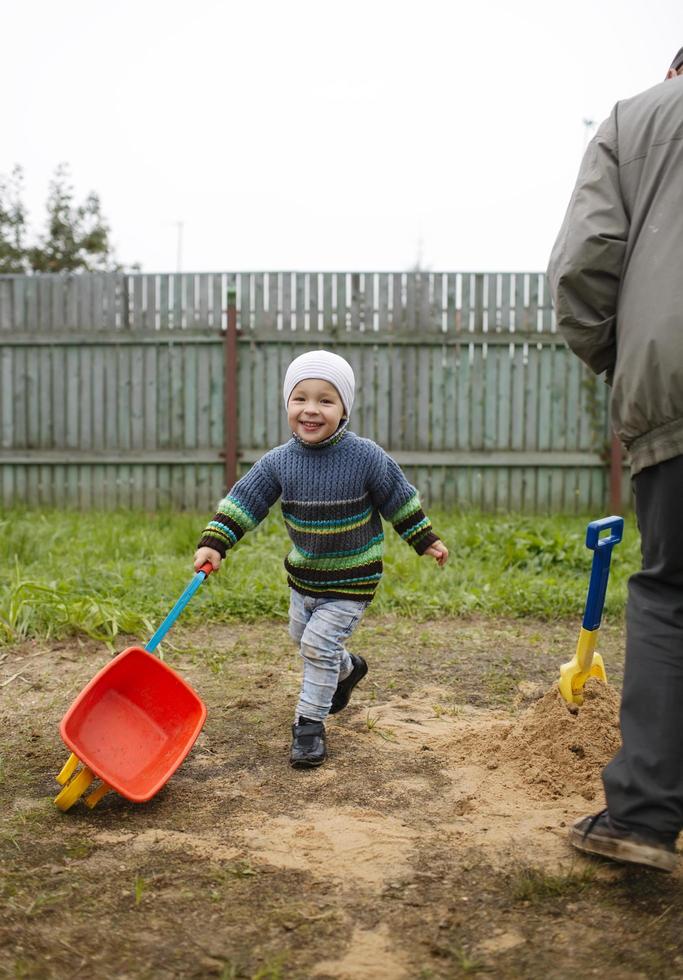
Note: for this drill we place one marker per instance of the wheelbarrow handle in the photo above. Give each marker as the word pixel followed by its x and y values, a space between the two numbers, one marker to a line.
pixel 602 554
pixel 194 584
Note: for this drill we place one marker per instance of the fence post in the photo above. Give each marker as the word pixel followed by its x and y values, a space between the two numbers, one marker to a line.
pixel 230 392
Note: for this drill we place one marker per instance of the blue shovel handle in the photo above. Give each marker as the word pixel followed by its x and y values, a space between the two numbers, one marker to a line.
pixel 196 581
pixel 602 554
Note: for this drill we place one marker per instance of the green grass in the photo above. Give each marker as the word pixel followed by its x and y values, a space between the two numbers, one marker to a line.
pixel 535 886
pixel 101 574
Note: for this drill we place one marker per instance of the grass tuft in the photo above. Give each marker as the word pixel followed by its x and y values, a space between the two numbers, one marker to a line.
pixel 139 888
pixel 372 726
pixel 536 886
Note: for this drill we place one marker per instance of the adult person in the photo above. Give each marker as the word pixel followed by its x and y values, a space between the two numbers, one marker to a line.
pixel 616 273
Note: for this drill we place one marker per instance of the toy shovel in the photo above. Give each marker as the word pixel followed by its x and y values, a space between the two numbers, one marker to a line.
pixel 586 662
pixel 133 724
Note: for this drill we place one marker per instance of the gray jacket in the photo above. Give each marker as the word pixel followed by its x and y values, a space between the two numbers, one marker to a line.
pixel 616 270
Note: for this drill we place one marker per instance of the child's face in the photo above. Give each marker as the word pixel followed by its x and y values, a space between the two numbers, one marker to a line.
pixel 314 410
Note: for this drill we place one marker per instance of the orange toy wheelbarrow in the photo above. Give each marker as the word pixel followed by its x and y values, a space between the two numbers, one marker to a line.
pixel 133 724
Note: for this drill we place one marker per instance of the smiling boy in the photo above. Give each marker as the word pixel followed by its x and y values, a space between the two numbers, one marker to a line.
pixel 333 487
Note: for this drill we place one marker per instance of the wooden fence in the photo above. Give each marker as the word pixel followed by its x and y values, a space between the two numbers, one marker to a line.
pixel 143 390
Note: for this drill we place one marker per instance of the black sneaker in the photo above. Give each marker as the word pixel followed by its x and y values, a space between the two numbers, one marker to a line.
pixel 342 695
pixel 598 835
pixel 308 744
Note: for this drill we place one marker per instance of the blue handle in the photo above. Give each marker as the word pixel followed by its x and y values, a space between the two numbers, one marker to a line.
pixel 602 554
pixel 196 581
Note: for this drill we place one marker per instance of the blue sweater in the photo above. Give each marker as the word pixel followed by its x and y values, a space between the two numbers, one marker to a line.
pixel 333 494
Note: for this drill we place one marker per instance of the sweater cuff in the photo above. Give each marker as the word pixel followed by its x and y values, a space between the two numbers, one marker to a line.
pixel 412 524
pixel 425 542
pixel 224 531
pixel 207 541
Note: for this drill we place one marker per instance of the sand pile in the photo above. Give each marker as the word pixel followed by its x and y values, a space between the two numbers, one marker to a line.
pixel 556 751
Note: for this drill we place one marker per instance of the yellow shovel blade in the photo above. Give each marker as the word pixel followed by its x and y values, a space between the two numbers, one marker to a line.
pixel 75 788
pixel 584 664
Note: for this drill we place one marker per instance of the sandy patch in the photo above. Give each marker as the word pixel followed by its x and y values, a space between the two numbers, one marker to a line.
pixel 515 784
pixel 371 953
pixel 350 844
pixel 491 813
pixel 410 723
pixel 502 942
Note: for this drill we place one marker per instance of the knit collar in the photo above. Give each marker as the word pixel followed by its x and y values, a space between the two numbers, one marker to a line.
pixel 332 440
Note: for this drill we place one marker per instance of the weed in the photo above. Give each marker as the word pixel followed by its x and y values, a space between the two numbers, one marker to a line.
pixel 535 886
pixel 222 876
pixel 451 711
pixel 272 970
pixel 46 901
pixel 466 962
pixel 79 849
pixel 216 662
pixel 230 972
pixel 242 869
pixel 139 888
pixel 38 903
pixel 372 726
pixel 499 683
pixel 31 821
pixel 459 956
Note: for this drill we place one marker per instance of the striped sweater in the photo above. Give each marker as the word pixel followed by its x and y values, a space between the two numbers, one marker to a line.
pixel 332 495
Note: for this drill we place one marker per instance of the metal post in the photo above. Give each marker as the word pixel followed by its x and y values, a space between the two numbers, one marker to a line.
pixel 615 475
pixel 230 392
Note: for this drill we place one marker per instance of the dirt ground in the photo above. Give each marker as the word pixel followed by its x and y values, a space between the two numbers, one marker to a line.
pixel 431 845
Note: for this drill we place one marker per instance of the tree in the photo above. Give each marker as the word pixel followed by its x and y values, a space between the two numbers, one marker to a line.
pixel 77 235
pixel 13 257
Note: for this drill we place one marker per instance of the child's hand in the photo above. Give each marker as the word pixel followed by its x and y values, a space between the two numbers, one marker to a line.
pixel 202 555
pixel 438 551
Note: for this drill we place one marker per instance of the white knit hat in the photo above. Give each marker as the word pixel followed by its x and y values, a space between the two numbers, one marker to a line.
pixel 327 366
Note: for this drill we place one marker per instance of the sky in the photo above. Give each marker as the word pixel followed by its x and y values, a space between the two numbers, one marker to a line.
pixel 327 135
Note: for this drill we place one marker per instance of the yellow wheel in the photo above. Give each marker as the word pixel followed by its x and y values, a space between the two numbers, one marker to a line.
pixel 97 795
pixel 74 789
pixel 68 770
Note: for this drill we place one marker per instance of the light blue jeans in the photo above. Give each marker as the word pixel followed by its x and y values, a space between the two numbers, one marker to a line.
pixel 321 626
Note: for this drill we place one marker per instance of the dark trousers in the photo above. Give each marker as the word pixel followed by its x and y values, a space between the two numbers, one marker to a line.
pixel 644 781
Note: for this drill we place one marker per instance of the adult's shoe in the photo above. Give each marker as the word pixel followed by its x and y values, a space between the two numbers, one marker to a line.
pixel 598 835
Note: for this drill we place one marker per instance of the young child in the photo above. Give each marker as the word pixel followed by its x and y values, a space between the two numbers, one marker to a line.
pixel 334 486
